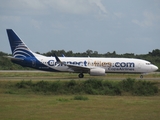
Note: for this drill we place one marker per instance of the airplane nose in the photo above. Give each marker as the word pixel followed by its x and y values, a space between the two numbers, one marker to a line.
pixel 154 68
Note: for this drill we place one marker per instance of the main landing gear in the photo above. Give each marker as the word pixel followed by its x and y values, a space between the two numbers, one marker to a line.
pixel 81 75
pixel 141 76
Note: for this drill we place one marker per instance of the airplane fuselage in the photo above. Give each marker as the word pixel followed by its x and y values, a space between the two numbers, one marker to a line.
pixel 23 56
pixel 111 65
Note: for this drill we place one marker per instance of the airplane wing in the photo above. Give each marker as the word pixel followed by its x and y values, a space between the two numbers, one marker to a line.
pixel 75 68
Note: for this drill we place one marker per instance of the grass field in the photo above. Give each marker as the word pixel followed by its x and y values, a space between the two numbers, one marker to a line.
pixel 32 106
pixel 60 107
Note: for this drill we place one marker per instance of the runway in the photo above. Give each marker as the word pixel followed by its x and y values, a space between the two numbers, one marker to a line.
pixel 43 75
pixel 21 71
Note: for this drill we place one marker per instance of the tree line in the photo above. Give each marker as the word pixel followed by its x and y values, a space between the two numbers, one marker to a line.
pixel 153 57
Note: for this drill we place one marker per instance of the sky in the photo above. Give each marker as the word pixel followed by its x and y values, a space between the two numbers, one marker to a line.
pixel 124 26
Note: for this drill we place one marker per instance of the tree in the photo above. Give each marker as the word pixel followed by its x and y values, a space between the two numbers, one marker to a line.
pixel 89 52
pixel 155 52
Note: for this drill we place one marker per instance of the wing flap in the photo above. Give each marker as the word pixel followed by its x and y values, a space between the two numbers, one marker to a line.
pixel 77 68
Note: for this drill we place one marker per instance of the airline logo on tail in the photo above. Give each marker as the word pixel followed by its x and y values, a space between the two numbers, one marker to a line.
pixel 18 47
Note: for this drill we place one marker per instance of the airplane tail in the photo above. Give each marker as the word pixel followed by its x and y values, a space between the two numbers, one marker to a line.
pixel 18 47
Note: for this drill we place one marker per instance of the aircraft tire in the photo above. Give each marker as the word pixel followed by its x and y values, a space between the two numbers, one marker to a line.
pixel 81 75
pixel 141 76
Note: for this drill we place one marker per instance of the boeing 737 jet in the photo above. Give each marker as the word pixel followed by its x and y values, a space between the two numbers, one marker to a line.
pixel 23 56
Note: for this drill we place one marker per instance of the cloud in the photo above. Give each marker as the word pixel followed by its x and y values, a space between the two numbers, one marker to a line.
pixel 69 6
pixel 50 6
pixel 100 5
pixel 119 14
pixel 10 17
pixel 20 10
pixel 149 19
pixel 36 24
pixel 22 7
pixel 77 6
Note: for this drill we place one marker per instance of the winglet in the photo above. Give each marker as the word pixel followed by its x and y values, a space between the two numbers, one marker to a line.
pixel 63 55
pixel 58 60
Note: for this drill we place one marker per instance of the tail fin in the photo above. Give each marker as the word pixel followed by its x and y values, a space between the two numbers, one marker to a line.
pixel 18 47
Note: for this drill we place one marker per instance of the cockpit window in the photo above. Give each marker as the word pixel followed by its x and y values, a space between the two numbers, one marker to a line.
pixel 148 63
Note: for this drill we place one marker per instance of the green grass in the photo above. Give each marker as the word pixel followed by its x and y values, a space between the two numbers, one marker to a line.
pixel 74 87
pixel 61 107
pixel 20 104
pixel 80 97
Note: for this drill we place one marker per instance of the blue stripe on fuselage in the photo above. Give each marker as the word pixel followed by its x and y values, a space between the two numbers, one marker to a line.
pixel 33 63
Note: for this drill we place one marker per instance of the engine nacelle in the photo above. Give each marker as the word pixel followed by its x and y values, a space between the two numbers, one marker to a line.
pixel 97 72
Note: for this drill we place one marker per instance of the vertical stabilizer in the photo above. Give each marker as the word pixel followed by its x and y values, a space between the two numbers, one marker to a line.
pixel 18 47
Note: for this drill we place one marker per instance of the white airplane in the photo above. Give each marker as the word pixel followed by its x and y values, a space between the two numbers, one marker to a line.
pixel 23 56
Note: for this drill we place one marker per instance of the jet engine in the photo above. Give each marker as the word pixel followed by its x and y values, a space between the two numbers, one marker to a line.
pixel 97 72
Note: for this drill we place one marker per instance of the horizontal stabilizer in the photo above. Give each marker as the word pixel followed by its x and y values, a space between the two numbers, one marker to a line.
pixel 13 58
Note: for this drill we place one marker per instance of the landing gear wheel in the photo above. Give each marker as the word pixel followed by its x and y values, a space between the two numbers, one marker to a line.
pixel 81 75
pixel 141 76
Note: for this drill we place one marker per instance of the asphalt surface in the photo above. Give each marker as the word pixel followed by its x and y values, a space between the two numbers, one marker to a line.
pixel 65 78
